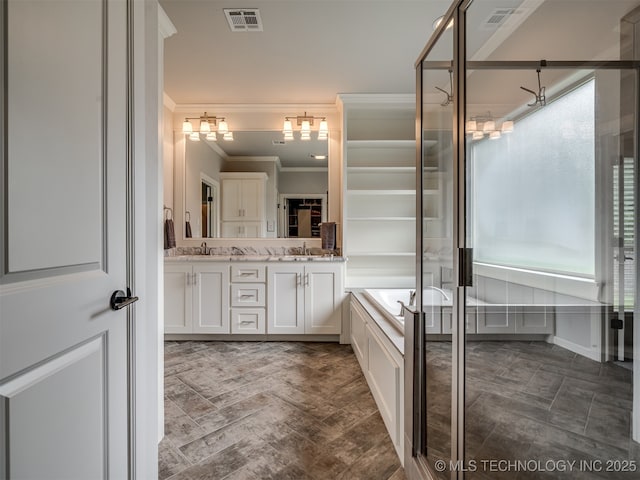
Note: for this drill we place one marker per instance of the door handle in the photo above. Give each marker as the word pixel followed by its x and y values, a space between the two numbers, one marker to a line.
pixel 119 299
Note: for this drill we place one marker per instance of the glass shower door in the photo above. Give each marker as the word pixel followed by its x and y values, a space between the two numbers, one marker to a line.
pixel 435 242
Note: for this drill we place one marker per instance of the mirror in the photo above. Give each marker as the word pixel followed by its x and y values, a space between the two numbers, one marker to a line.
pixel 256 186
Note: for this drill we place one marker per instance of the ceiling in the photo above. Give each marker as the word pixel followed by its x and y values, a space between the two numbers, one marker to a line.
pixel 308 51
pixel 311 50
pixel 292 154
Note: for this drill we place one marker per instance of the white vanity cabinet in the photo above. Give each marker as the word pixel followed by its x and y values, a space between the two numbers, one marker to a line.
pixel 304 299
pixel 196 298
pixel 243 201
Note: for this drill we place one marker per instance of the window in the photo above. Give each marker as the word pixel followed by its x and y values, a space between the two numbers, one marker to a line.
pixel 534 190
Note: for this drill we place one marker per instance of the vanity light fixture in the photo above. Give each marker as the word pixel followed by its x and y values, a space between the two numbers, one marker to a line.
pixel 205 127
pixel 305 122
pixel 485 124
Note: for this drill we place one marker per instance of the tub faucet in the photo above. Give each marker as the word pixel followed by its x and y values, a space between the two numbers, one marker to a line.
pixel 442 292
pixel 403 307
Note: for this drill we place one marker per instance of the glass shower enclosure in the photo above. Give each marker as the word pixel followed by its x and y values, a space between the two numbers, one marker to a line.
pixel 522 362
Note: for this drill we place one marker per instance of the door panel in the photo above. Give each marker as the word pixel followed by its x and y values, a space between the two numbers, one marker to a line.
pixel 63 351
pixel 66 162
pixel 177 299
pixel 285 299
pixel 74 385
pixel 211 300
pixel 322 308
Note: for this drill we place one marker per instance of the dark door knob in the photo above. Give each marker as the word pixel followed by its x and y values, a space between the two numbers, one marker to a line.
pixel 119 299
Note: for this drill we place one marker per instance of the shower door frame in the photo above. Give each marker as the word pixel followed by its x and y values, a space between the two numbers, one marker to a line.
pixel 416 464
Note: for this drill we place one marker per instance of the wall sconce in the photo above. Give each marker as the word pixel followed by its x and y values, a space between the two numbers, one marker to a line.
pixel 305 122
pixel 206 122
pixel 483 125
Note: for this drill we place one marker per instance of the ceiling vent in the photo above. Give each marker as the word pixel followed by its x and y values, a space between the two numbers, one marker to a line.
pixel 243 19
pixel 499 17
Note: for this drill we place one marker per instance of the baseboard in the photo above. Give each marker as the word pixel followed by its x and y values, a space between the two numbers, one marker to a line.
pixel 575 348
pixel 251 338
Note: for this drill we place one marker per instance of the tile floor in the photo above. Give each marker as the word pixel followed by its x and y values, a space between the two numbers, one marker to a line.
pixel 534 400
pixel 271 410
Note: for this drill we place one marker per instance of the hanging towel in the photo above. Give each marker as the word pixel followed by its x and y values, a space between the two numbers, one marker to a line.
pixel 328 235
pixel 187 229
pixel 169 234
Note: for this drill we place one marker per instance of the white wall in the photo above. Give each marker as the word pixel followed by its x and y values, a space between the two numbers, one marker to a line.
pixel 167 157
pixel 302 182
pixel 201 159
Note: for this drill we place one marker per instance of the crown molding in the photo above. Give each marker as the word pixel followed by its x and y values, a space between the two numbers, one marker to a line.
pixel 276 108
pixel 166 28
pixel 168 102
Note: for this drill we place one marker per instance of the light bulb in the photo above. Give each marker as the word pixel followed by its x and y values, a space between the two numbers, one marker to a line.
pixel 494 135
pixel 211 136
pixel 305 127
pixel 287 128
pixel 288 135
pixel 228 136
pixel 489 126
pixel 204 126
pixel 507 127
pixel 305 135
pixel 187 127
pixel 472 126
pixel 223 127
pixel 194 136
pixel 324 128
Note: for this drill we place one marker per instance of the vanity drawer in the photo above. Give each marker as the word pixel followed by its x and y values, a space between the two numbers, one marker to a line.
pixel 247 273
pixel 248 321
pixel 247 295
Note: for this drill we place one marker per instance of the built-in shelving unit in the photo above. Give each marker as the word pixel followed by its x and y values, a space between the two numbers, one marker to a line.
pixel 379 201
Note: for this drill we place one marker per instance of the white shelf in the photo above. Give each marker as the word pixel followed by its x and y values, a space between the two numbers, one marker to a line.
pixel 381 144
pixel 385 169
pixel 381 192
pixel 376 219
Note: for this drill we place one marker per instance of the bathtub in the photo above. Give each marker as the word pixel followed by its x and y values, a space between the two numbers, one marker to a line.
pixel 386 300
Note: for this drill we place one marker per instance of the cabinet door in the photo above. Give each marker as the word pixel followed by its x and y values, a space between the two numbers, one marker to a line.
pixel 231 199
pixel 243 229
pixel 323 299
pixel 285 299
pixel 253 200
pixel 211 299
pixel 177 298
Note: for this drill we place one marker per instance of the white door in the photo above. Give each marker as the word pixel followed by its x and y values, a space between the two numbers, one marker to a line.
pixel 252 199
pixel 285 311
pixel 63 350
pixel 322 299
pixel 231 199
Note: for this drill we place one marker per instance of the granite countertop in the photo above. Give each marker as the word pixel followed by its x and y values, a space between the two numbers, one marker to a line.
pixel 254 258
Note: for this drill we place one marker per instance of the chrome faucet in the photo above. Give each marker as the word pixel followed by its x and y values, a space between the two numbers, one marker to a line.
pixel 403 307
pixel 203 245
pixel 412 298
pixel 304 248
